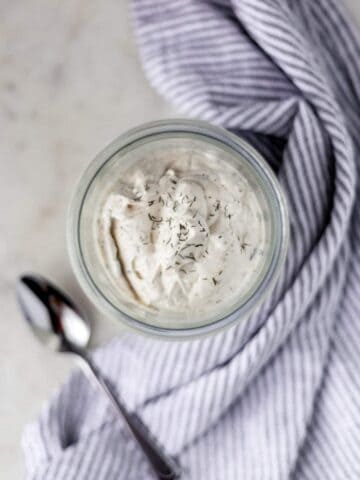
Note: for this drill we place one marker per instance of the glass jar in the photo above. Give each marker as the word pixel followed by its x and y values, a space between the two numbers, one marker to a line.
pixel 204 140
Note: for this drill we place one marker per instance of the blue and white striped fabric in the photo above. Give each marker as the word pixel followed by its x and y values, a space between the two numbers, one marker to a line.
pixel 278 396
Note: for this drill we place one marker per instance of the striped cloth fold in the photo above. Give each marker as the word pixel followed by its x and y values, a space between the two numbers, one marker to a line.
pixel 277 396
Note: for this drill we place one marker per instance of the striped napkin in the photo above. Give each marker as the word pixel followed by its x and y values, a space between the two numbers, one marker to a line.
pixel 277 396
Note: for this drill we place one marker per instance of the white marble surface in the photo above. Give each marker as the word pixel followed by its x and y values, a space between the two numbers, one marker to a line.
pixel 70 82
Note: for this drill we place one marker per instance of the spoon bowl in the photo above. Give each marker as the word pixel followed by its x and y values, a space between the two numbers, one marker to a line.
pixel 52 316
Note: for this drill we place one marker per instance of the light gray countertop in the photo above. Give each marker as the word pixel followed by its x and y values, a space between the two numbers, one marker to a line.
pixel 70 82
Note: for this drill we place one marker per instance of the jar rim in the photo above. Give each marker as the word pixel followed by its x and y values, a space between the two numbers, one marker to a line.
pixel 211 133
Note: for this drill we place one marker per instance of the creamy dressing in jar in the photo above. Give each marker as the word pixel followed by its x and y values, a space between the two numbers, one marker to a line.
pixel 182 233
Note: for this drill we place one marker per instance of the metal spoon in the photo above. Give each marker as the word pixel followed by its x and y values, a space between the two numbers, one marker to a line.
pixel 57 323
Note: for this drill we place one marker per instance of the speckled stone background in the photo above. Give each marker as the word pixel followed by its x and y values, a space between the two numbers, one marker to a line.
pixel 70 82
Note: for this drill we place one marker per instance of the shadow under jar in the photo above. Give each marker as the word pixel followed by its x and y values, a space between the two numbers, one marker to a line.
pixel 178 228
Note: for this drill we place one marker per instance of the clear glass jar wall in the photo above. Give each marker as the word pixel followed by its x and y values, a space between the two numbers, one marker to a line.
pixel 145 141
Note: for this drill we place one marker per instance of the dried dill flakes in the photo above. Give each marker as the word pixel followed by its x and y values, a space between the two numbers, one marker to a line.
pixel 253 253
pixel 192 201
pixel 151 203
pixel 226 213
pixel 182 236
pixel 244 246
pixel 215 282
pixel 187 246
pixel 154 219
pixel 203 229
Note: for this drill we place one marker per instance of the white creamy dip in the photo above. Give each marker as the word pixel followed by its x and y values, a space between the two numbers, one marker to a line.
pixel 180 234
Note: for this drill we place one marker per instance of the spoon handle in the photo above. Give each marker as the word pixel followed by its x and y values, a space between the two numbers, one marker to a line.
pixel 164 467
